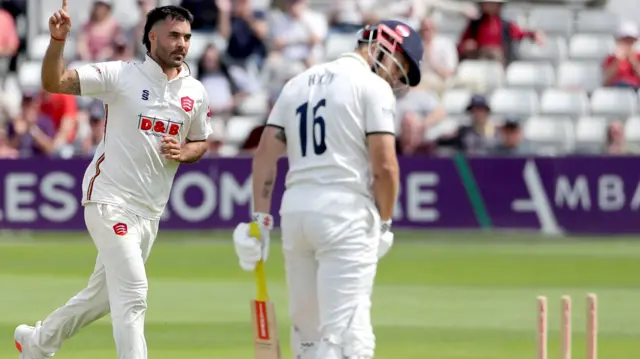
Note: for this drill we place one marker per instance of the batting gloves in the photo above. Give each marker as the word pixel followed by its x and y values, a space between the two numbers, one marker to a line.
pixel 249 249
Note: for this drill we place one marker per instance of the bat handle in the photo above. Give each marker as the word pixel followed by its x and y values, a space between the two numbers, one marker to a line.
pixel 261 279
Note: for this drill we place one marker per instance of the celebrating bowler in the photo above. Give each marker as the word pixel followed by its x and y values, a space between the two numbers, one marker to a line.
pixel 157 118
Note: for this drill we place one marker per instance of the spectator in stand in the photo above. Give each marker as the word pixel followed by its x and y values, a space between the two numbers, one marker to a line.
pixel 94 41
pixel 32 132
pixel 440 58
pixel 122 49
pixel 492 37
pixel 478 137
pixel 511 141
pixel 244 29
pixel 63 110
pixel 6 151
pixel 205 14
pixel 350 15
pixel 135 34
pixel 616 143
pixel 297 35
pixel 9 41
pixel 622 68
pixel 97 122
pixel 416 113
pixel 214 75
pixel 17 9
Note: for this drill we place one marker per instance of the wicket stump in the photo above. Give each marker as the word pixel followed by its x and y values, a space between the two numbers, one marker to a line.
pixel 566 327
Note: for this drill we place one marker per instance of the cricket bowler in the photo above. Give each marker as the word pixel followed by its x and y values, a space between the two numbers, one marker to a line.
pixel 157 118
pixel 335 123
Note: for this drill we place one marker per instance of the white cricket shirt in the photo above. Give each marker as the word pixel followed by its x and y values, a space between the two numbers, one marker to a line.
pixel 141 105
pixel 327 112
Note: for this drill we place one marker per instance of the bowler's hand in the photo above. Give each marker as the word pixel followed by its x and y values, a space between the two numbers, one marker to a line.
pixel 170 148
pixel 386 239
pixel 60 23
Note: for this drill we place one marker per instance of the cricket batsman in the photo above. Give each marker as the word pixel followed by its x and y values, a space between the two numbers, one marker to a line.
pixel 157 118
pixel 335 123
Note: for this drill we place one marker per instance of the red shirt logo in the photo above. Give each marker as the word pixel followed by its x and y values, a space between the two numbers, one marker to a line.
pixel 158 127
pixel 187 103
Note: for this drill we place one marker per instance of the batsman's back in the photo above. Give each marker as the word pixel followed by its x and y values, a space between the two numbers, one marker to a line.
pixel 327 113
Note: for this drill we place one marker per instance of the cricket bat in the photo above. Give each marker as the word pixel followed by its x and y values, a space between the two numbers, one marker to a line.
pixel 263 314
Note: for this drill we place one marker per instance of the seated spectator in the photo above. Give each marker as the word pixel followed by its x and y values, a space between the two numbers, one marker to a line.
pixel 478 137
pixel 297 35
pixel 244 29
pixel 9 27
pixel 220 86
pixel 205 14
pixel 440 58
pixel 510 142
pixel 350 15
pixel 9 41
pixel 6 151
pixel 32 132
pixel 622 68
pixel 412 11
pixel 135 34
pixel 63 110
pixel 123 50
pixel 97 122
pixel 616 143
pixel 94 42
pixel 416 112
pixel 492 37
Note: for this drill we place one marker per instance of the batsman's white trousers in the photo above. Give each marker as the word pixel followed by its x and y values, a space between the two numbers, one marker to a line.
pixel 331 260
pixel 118 284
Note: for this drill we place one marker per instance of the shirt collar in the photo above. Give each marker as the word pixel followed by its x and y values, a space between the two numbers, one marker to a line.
pixel 357 57
pixel 151 67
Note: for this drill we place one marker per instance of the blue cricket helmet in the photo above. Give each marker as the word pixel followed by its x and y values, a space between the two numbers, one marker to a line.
pixel 398 36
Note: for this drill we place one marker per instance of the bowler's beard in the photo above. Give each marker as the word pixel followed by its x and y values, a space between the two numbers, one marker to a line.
pixel 165 60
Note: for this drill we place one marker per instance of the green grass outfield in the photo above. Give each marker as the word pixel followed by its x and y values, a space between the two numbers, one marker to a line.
pixel 440 296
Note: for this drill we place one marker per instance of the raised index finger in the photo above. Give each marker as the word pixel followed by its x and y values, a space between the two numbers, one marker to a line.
pixel 64 5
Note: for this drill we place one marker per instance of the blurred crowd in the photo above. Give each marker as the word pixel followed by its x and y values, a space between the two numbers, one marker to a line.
pixel 243 51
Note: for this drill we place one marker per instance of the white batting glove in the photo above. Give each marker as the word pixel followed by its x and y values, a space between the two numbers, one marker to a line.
pixel 386 239
pixel 250 249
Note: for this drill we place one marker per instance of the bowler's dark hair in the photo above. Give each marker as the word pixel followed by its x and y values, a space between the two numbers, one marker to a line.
pixel 159 14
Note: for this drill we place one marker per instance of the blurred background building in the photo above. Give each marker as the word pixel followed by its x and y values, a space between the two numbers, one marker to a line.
pixel 500 77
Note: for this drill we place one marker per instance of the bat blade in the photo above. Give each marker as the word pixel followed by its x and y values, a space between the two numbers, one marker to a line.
pixel 265 328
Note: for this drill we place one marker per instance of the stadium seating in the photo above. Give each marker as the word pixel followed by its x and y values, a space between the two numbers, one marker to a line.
pixel 590 47
pixel 614 102
pixel 632 130
pixel 538 75
pixel 556 87
pixel 590 134
pixel 551 20
pixel 455 101
pixel 514 102
pixel 559 102
pixel 586 76
pixel 551 135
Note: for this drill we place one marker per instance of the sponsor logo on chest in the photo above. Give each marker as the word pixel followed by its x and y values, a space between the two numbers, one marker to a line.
pixel 154 126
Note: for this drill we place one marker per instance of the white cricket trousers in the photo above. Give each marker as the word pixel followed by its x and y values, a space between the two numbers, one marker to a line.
pixel 331 261
pixel 118 284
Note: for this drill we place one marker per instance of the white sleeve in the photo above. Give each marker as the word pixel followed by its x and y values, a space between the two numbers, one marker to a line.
pixel 379 109
pixel 200 129
pixel 279 112
pixel 100 80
